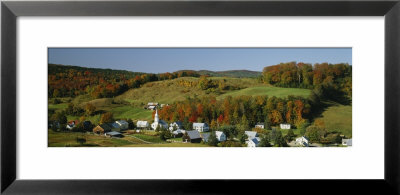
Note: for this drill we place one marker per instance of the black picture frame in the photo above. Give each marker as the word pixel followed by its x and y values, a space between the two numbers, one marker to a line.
pixel 11 10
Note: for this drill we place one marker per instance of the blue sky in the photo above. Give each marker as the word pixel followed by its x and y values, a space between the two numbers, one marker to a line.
pixel 158 60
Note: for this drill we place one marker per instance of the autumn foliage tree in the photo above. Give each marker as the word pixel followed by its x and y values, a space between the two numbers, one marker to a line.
pixel 107 117
pixel 90 109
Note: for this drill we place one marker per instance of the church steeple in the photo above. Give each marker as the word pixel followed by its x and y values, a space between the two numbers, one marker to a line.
pixel 156 119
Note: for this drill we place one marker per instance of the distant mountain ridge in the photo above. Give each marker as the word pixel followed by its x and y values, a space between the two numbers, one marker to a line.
pixel 229 73
pixel 54 68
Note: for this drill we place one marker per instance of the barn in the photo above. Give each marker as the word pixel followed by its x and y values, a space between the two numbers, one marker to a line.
pixel 101 129
pixel 192 137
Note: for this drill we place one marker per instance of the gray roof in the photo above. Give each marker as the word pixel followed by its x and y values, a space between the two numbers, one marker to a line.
pixel 122 122
pixel 113 133
pixel 193 134
pixel 251 134
pixel 162 122
pixel 260 124
pixel 106 127
pixel 205 136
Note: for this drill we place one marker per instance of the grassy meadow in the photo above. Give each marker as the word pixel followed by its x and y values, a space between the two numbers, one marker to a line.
pixel 338 118
pixel 268 90
pixel 68 139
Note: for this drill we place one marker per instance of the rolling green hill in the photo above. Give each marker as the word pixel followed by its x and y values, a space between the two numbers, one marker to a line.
pixel 169 91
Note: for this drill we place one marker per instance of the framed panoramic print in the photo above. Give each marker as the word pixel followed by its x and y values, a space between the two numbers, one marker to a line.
pixel 199 97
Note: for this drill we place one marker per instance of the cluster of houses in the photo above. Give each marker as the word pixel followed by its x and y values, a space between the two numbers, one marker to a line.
pixel 112 129
pixel 154 105
pixel 198 134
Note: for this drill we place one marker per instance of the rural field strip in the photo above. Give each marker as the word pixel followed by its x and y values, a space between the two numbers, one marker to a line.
pixel 140 139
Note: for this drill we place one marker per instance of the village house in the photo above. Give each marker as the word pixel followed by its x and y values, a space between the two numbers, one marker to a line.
pixel 201 127
pixel 123 125
pixel 205 136
pixel 302 141
pixel 178 133
pixel 158 122
pixel 193 137
pixel 152 105
pixel 347 142
pixel 114 126
pixel 260 125
pixel 113 134
pixel 219 134
pixel 177 125
pixel 285 126
pixel 142 125
pixel 253 142
pixel 251 134
pixel 101 129
pixel 72 124
pixel 54 123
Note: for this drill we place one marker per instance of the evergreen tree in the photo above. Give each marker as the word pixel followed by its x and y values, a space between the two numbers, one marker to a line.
pixel 266 123
pixel 212 139
pixel 264 141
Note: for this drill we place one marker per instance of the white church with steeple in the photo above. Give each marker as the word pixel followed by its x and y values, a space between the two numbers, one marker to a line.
pixel 158 122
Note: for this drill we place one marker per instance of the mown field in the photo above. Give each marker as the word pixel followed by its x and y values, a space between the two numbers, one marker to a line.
pixel 338 118
pixel 68 139
pixel 169 91
pixel 268 90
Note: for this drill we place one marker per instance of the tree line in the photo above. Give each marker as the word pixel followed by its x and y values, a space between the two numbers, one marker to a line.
pixel 240 111
pixel 71 81
pixel 334 79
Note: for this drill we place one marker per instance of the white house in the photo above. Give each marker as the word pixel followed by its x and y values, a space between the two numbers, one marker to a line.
pixel 123 125
pixel 71 124
pixel 220 136
pixel 152 105
pixel 302 141
pixel 253 142
pixel 251 134
pixel 285 126
pixel 178 133
pixel 260 125
pixel 201 127
pixel 347 142
pixel 142 124
pixel 158 122
pixel 177 125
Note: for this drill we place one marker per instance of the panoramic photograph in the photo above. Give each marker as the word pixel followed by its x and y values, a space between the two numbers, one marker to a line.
pixel 199 97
